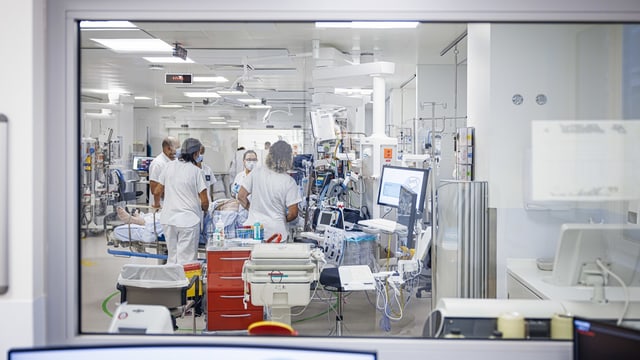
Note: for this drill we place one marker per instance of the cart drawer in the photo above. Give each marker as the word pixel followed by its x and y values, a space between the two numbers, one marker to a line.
pixel 224 281
pixel 226 261
pixel 232 320
pixel 229 300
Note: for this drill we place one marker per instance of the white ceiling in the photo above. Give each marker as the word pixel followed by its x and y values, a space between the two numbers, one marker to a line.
pixel 273 60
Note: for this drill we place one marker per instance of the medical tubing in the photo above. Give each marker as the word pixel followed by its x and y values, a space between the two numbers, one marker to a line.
pixel 624 287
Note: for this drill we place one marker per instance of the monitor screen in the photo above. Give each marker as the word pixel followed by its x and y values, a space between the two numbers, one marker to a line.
pixel 601 340
pixel 393 177
pixel 407 212
pixel 190 351
pixel 141 163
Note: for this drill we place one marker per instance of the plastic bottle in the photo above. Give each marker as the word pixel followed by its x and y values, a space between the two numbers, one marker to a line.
pixel 220 227
pixel 256 231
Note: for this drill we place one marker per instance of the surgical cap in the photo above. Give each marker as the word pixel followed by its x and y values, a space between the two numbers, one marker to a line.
pixel 191 145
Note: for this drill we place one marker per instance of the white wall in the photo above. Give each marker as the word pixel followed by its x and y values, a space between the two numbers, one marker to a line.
pixel 529 60
pixel 22 97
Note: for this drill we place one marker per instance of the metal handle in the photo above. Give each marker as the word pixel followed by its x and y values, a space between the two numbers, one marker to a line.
pixel 235 316
pixel 231 296
pixel 4 204
pixel 230 277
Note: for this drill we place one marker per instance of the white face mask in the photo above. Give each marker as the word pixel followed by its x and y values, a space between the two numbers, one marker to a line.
pixel 250 165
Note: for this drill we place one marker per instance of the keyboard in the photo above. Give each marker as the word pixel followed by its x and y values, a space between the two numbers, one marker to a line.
pixel 382 224
pixel 356 277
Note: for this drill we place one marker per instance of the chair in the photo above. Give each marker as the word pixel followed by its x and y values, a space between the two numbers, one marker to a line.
pixel 271 328
pixel 164 285
pixel 330 280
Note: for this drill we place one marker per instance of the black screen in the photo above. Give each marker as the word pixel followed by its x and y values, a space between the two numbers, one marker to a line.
pixel 601 340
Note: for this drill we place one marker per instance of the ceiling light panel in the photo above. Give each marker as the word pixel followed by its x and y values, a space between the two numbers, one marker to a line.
pixel 368 25
pixel 111 25
pixel 250 101
pixel 218 122
pixel 135 45
pixel 201 94
pixel 167 60
pixel 216 79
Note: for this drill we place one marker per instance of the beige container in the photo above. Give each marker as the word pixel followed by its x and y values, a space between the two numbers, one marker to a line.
pixel 511 325
pixel 561 327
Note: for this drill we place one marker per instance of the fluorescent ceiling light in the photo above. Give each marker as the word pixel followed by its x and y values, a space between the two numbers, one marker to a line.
pixel 259 106
pixel 170 106
pixel 233 121
pixel 250 101
pixel 168 60
pixel 218 122
pixel 106 25
pixel 104 91
pixel 141 98
pixel 368 24
pixel 201 94
pixel 216 118
pixel 217 79
pixel 234 126
pixel 354 91
pixel 231 92
pixel 135 45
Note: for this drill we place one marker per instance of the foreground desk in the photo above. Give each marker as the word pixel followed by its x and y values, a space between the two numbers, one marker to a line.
pixel 526 281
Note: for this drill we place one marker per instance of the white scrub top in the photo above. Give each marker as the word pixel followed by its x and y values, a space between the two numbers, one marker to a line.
pixel 271 194
pixel 155 169
pixel 209 178
pixel 237 182
pixel 183 182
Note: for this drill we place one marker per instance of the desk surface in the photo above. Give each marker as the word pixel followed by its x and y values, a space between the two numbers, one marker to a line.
pixel 526 272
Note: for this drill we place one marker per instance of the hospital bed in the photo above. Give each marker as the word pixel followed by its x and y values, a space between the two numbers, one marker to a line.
pixel 132 240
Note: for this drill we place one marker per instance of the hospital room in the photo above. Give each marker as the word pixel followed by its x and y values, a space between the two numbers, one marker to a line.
pixel 272 188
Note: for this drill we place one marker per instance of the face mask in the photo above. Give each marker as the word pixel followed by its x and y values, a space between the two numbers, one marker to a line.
pixel 178 152
pixel 250 165
pixel 199 158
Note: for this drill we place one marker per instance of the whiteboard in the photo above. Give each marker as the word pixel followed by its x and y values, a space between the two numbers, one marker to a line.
pixel 594 160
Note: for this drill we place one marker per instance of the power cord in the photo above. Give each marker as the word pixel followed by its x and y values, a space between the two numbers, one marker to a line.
pixel 624 287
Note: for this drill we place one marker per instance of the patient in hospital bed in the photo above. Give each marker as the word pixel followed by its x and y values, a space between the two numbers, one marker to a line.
pixel 142 225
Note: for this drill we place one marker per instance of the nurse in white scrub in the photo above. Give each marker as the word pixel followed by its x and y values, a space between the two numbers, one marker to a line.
pixel 185 201
pixel 274 194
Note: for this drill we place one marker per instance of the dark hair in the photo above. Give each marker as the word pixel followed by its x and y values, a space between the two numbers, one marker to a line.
pixel 244 157
pixel 280 158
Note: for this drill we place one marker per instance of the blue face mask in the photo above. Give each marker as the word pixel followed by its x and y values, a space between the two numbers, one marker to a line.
pixel 199 158
pixel 178 152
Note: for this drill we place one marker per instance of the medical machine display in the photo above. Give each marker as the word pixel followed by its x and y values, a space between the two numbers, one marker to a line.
pixel 393 177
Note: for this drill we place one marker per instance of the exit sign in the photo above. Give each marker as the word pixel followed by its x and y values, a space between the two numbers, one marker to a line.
pixel 177 78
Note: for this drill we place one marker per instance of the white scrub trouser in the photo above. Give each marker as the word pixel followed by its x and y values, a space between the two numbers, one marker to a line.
pixel 182 243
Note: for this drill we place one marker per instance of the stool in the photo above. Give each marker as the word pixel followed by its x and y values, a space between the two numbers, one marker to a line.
pixel 330 280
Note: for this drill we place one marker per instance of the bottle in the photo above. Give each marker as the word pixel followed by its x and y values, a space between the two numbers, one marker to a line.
pixel 256 231
pixel 220 227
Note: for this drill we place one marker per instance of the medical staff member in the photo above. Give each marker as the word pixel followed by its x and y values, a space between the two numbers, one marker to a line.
pixel 169 148
pixel 249 160
pixel 274 194
pixel 185 201
pixel 209 178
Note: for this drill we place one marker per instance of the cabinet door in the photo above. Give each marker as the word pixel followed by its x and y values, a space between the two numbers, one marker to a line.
pixel 226 261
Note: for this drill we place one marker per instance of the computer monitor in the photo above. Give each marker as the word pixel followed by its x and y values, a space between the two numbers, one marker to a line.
pixel 141 163
pixel 407 212
pixel 186 351
pixel 601 340
pixel 393 177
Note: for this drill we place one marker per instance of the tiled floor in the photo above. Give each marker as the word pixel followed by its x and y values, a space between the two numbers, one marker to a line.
pixel 100 298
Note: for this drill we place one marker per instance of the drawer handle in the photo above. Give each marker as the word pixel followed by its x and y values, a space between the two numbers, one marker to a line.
pixel 231 296
pixel 235 259
pixel 235 316
pixel 231 277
